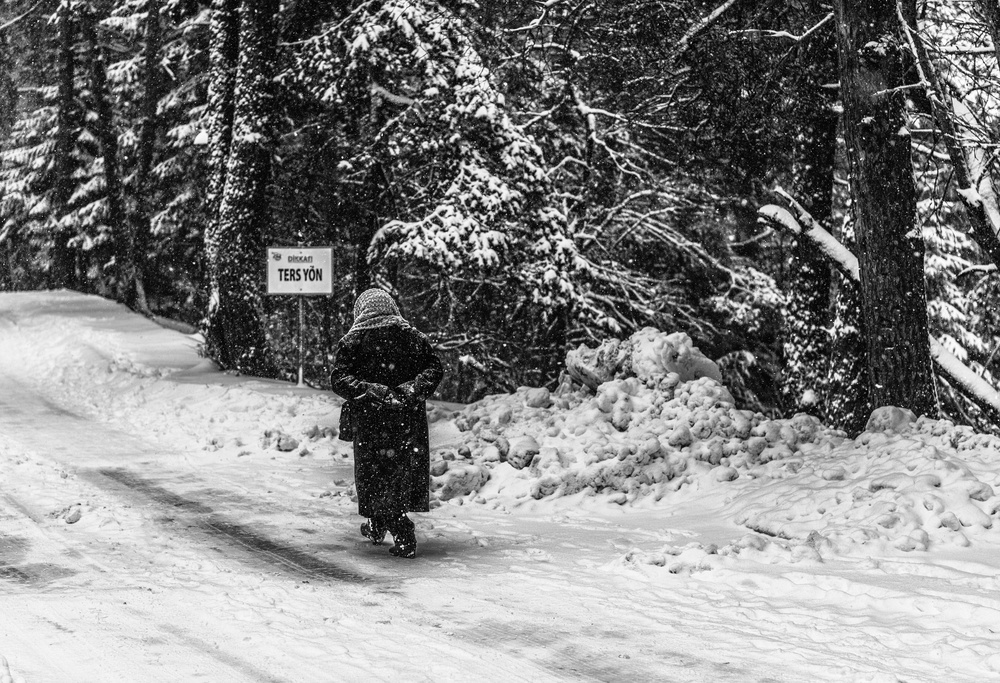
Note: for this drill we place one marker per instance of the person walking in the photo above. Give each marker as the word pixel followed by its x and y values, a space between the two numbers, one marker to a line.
pixel 385 370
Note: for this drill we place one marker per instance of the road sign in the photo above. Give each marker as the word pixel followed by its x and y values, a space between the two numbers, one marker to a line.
pixel 300 270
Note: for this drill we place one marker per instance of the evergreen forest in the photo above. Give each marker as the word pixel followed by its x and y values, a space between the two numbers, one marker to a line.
pixel 806 188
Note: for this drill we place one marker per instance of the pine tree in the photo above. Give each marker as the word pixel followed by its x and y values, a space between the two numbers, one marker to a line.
pixel 64 269
pixel 123 246
pixel 890 249
pixel 234 332
pixel 809 316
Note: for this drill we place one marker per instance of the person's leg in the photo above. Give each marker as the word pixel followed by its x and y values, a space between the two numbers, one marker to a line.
pixel 375 475
pixel 404 534
pixel 374 530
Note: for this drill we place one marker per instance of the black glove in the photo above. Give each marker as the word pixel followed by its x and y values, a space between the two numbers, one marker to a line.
pixel 381 395
pixel 375 393
pixel 407 393
pixel 392 400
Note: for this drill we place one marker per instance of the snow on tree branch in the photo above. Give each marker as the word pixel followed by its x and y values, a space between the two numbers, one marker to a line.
pixel 839 255
pixel 956 373
pixel 477 200
pixel 985 224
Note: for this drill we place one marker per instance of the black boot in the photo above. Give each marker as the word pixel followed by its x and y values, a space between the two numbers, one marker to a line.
pixel 373 531
pixel 404 534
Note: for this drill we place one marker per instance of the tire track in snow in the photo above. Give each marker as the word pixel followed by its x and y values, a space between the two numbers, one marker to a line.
pixel 73 625
pixel 257 544
pixel 554 653
pixel 21 415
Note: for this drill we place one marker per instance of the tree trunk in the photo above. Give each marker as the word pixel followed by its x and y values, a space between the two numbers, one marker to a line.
pixel 809 306
pixel 235 334
pixel 889 244
pixel 142 214
pixel 371 115
pixel 223 56
pixel 8 89
pixel 63 256
pixel 990 11
pixel 124 249
pixel 365 229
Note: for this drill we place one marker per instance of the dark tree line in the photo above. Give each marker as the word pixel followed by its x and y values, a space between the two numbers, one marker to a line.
pixel 525 178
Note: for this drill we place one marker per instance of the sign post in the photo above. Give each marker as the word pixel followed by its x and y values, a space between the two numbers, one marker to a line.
pixel 301 272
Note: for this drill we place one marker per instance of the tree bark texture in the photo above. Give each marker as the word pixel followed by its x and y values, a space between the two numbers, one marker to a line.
pixel 8 88
pixel 223 55
pixel 990 11
pixel 369 109
pixel 107 136
pixel 63 256
pixel 141 215
pixel 235 333
pixel 365 229
pixel 810 302
pixel 889 245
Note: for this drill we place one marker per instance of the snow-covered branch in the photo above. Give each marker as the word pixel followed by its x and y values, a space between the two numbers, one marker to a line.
pixel 398 100
pixel 985 221
pixel 839 255
pixel 589 119
pixel 954 50
pixel 785 34
pixel 700 27
pixel 985 268
pixel 6 25
pixel 537 21
pixel 950 368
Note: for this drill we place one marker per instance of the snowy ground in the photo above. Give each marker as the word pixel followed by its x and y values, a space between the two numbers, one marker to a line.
pixel 161 521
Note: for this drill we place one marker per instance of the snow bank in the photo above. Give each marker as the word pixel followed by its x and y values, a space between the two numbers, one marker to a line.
pixel 659 422
pixel 96 356
pixel 907 482
pixel 904 484
pixel 657 428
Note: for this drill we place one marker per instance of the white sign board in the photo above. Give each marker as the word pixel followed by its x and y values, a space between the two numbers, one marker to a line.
pixel 300 270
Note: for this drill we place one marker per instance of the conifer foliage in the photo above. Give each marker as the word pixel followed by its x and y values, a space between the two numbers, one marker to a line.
pixel 524 177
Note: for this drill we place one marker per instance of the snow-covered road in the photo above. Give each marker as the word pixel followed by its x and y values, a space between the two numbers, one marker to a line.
pixel 150 531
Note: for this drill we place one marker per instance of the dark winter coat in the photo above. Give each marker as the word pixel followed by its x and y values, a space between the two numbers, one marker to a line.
pixel 371 370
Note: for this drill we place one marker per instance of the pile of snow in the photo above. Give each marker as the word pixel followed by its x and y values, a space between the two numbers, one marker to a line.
pixel 659 421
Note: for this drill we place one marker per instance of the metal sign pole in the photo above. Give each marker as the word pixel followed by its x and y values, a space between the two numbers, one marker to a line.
pixel 301 271
pixel 302 345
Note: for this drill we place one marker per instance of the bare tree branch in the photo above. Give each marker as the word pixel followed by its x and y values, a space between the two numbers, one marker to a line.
pixel 990 10
pixel 985 228
pixel 785 34
pixel 4 27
